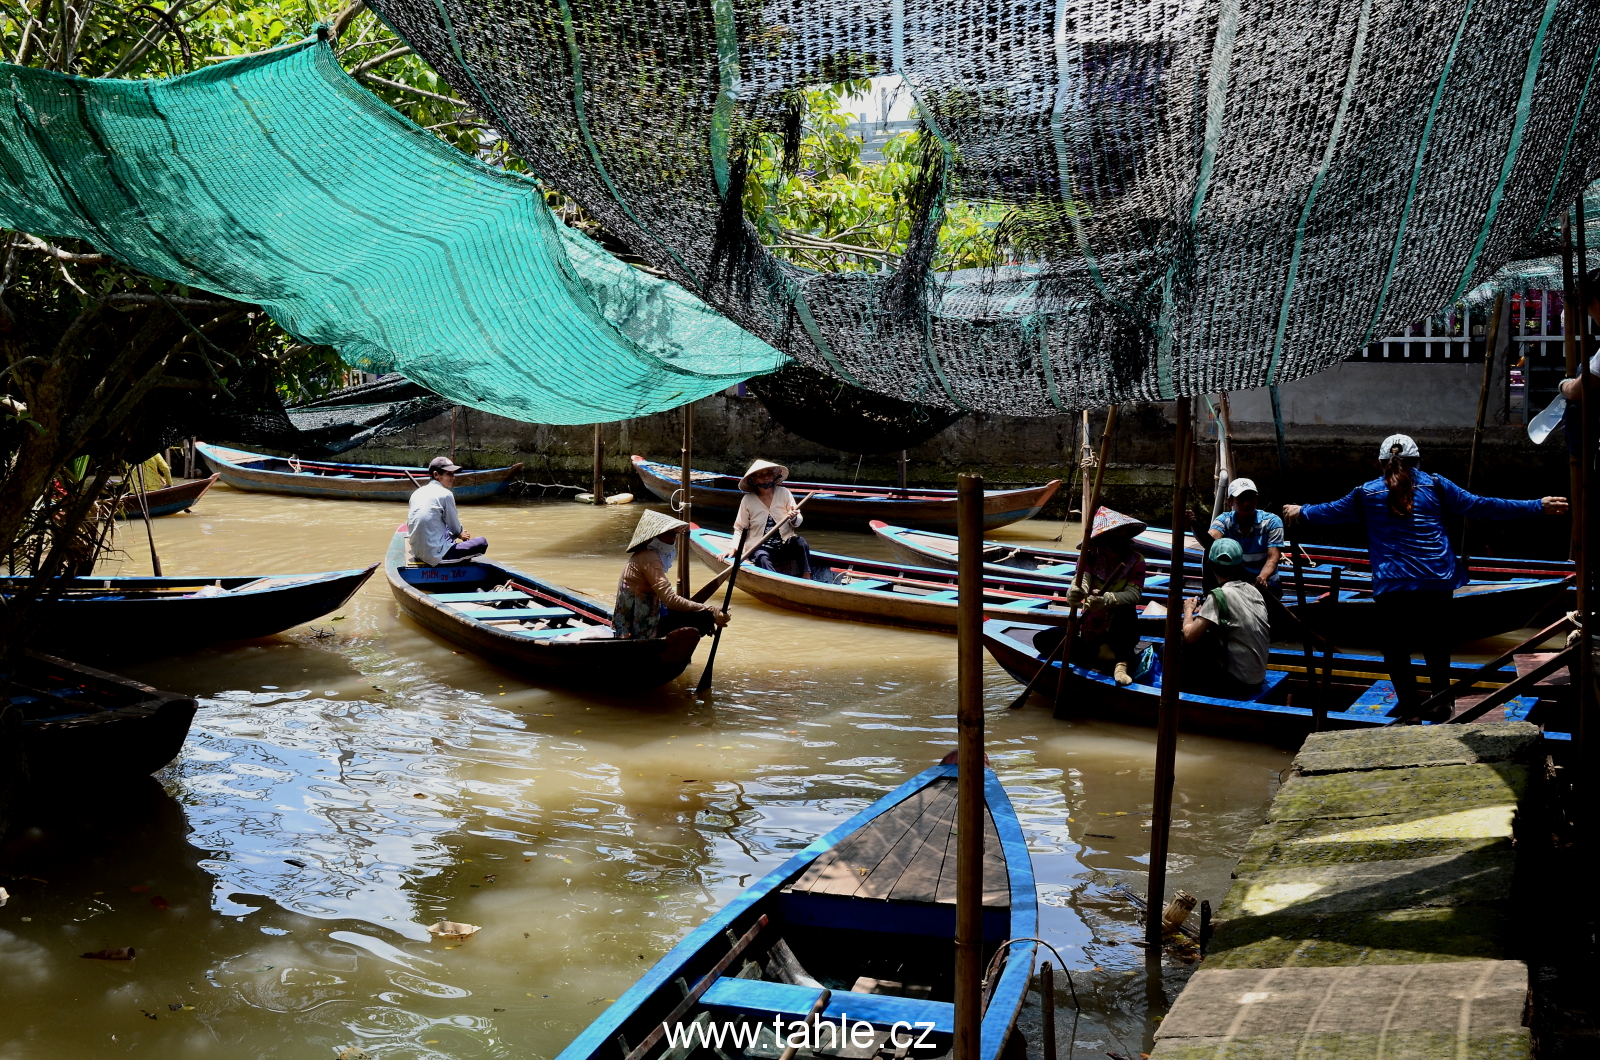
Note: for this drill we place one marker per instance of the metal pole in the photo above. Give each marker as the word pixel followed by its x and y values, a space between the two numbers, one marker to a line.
pixel 1167 723
pixel 969 762
pixel 686 512
pixel 599 486
pixel 1483 411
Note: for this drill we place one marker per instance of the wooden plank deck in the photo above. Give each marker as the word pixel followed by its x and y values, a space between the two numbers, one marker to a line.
pixel 909 855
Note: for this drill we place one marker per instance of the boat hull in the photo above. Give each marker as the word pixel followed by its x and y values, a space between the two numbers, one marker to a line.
pixel 600 665
pixel 169 500
pixel 836 925
pixel 105 729
pixel 848 507
pixel 131 616
pixel 353 482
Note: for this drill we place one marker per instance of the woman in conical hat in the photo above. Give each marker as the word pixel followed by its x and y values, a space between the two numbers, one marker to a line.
pixel 1108 592
pixel 766 504
pixel 647 604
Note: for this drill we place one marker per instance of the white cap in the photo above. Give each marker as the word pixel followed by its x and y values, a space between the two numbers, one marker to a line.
pixel 1398 445
pixel 1241 485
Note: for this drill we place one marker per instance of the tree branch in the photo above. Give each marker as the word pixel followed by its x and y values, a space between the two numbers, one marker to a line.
pixel 392 53
pixel 56 252
pixel 374 79
pixel 151 38
pixel 156 299
pixel 342 20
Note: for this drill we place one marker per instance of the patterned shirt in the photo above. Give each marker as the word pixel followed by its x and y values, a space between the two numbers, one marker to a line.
pixel 1254 540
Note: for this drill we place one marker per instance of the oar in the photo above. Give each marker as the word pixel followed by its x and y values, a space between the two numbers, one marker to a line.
pixel 702 594
pixel 727 598
pixel 144 509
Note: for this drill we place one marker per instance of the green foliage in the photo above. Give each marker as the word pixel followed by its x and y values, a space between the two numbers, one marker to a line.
pixel 840 213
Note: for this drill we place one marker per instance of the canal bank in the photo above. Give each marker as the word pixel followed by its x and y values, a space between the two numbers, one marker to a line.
pixel 1379 910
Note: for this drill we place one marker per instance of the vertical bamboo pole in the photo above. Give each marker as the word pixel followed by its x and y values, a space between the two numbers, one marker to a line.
pixel 1047 1005
pixel 1085 551
pixel 455 410
pixel 599 486
pixel 686 513
pixel 1167 723
pixel 144 510
pixel 1483 412
pixel 1572 316
pixel 1085 460
pixel 969 760
pixel 1583 506
pixel 1277 427
pixel 900 474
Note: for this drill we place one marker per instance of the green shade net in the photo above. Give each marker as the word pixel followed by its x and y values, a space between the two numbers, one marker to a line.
pixel 276 179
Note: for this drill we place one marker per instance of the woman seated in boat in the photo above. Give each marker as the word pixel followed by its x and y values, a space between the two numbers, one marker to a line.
pixel 1414 569
pixel 647 604
pixel 1109 592
pixel 1226 633
pixel 1259 533
pixel 153 474
pixel 767 503
pixel 434 527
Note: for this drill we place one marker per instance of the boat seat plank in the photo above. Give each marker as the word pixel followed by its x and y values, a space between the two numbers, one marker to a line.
pixel 881 880
pixel 845 868
pixel 519 613
pixel 947 594
pixel 1377 701
pixel 1057 570
pixel 478 598
pixel 865 584
pixel 880 1010
pixel 546 634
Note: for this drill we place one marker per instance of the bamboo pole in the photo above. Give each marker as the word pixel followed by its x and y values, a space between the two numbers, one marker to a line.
pixel 1085 553
pixel 970 772
pixel 900 473
pixel 144 510
pixel 1047 1005
pixel 599 476
pixel 1483 410
pixel 1572 315
pixel 1583 505
pixel 686 509
pixel 1167 723
pixel 455 410
pixel 1277 428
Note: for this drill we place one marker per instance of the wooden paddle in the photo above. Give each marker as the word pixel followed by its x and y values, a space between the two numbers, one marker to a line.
pixel 702 594
pixel 727 599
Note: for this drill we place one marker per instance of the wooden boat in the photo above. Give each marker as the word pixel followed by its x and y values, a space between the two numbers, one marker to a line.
pixel 1360 695
pixel 849 507
pixel 868 908
pixel 349 482
pixel 169 500
pixel 542 630
pixel 1157 542
pixel 82 726
pixel 133 616
pixel 894 594
pixel 1482 608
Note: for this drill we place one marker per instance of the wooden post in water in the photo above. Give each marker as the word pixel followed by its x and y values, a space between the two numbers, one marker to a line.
pixel 969 762
pixel 900 475
pixel 686 511
pixel 1167 721
pixel 1047 1006
pixel 1483 411
pixel 599 467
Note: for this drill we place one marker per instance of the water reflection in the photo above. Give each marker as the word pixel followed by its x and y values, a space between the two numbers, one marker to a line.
pixel 348 785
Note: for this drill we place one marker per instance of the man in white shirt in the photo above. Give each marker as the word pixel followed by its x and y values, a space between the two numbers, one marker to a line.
pixel 434 528
pixel 1228 637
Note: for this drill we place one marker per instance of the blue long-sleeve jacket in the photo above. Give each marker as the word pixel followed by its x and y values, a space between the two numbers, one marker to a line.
pixel 1414 553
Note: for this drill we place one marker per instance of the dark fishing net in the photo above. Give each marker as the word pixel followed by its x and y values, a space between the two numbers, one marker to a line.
pixel 1216 195
pixel 825 409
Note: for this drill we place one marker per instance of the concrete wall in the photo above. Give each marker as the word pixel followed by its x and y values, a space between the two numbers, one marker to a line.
pixel 1392 396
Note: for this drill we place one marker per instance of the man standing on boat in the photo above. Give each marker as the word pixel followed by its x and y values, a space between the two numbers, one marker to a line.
pixel 434 527
pixel 647 605
pixel 1259 534
pixel 1228 636
pixel 767 503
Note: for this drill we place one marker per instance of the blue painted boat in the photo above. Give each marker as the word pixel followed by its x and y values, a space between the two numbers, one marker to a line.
pixel 347 482
pixel 863 917
pixel 100 617
pixel 1359 697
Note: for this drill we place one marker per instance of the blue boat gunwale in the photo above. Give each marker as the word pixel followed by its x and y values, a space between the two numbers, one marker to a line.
pixel 1024 917
pixel 145 581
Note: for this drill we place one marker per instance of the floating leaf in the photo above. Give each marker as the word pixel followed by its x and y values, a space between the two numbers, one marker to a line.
pixel 447 929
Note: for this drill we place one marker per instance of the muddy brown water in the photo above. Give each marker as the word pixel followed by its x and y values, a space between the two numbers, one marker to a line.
pixel 350 782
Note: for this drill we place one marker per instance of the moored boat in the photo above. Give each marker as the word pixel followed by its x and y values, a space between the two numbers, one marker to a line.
pixel 868 908
pixel 1359 696
pixel 895 594
pixel 542 630
pixel 169 500
pixel 848 507
pixel 100 617
pixel 350 482
pixel 83 727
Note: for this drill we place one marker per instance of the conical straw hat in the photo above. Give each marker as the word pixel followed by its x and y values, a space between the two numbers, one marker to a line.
pixel 1106 520
pixel 762 465
pixel 653 524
